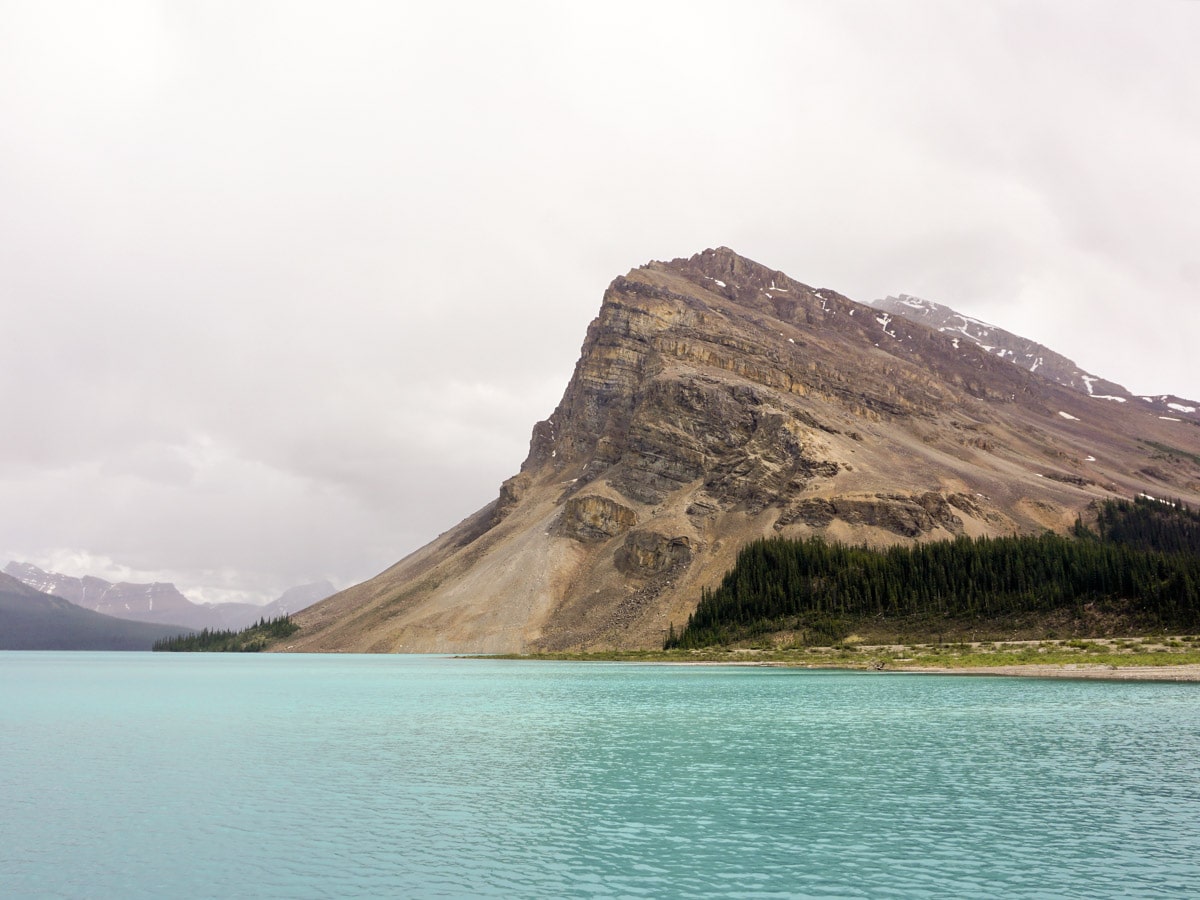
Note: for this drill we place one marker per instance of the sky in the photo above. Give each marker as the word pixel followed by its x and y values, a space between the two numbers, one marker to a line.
pixel 285 286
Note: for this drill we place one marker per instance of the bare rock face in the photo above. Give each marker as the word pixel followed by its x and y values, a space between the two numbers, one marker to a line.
pixel 649 553
pixel 905 515
pixel 591 519
pixel 717 401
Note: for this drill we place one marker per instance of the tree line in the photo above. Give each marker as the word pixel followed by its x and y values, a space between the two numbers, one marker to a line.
pixel 1143 555
pixel 252 639
pixel 1168 526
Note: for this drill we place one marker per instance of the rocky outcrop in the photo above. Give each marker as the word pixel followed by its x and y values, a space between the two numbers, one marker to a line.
pixel 905 515
pixel 745 447
pixel 649 553
pixel 716 401
pixel 591 519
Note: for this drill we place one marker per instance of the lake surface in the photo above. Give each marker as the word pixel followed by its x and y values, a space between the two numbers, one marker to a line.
pixel 195 775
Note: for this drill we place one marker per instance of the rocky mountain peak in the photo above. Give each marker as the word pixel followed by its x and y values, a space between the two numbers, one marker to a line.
pixel 725 268
pixel 716 401
pixel 628 406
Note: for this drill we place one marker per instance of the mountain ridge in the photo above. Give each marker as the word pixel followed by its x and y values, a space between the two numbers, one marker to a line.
pixel 715 401
pixel 137 602
pixel 1029 353
pixel 32 620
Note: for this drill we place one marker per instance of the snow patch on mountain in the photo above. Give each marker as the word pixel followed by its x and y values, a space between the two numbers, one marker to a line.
pixel 1027 354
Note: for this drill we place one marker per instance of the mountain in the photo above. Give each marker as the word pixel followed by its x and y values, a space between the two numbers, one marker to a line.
pixel 236 616
pixel 297 598
pixel 32 620
pixel 1028 354
pixel 160 601
pixel 716 401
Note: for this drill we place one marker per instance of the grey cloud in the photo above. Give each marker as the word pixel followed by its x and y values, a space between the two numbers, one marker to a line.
pixel 284 287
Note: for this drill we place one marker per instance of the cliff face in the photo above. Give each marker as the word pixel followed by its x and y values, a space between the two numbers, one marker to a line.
pixel 716 401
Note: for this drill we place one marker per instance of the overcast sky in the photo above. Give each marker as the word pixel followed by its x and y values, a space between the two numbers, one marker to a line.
pixel 286 285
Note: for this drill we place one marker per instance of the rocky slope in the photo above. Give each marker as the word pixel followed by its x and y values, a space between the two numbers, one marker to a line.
pixel 161 602
pixel 1029 354
pixel 716 401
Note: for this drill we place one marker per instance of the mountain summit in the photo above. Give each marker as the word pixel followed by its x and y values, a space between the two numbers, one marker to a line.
pixel 716 401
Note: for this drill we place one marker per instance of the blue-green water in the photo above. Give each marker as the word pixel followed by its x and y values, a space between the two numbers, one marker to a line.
pixel 133 775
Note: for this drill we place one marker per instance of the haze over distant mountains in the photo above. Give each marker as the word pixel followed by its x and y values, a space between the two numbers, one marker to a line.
pixel 161 602
pixel 31 620
pixel 717 401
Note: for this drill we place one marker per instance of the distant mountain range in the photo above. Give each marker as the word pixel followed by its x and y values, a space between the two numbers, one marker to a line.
pixel 964 330
pixel 161 602
pixel 31 620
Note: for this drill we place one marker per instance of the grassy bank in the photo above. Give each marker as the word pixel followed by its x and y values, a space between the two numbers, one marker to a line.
pixel 852 654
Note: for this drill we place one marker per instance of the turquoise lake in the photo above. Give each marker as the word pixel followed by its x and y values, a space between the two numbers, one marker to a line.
pixel 181 775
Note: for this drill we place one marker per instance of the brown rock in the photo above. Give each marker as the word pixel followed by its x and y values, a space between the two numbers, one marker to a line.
pixel 646 553
pixel 717 401
pixel 591 519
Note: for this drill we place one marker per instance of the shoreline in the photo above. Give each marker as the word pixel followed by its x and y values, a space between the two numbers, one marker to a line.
pixel 1171 673
pixel 1163 659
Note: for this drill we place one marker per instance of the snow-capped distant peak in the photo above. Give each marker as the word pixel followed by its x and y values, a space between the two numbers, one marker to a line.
pixel 1029 355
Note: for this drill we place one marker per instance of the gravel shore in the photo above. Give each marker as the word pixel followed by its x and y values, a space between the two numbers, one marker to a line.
pixel 1068 670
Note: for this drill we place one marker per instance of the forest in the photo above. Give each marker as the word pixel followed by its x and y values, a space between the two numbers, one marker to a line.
pixel 253 639
pixel 1136 569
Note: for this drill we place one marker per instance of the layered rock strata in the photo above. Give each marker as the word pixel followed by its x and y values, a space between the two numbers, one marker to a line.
pixel 716 401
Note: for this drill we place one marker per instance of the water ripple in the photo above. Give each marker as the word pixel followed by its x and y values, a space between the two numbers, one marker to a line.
pixel 309 777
